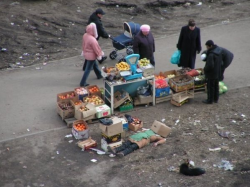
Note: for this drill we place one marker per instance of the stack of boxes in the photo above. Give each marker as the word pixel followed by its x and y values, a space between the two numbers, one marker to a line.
pixel 111 134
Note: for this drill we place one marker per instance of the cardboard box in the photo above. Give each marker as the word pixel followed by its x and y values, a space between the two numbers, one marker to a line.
pixel 135 127
pixel 94 99
pixel 65 113
pixel 147 70
pixel 85 114
pixel 69 95
pixel 113 129
pixel 80 134
pixel 104 145
pixel 103 111
pixel 99 93
pixel 124 123
pixel 87 144
pixel 120 98
pixel 74 101
pixel 160 128
pixel 112 139
pixel 145 99
pixel 81 93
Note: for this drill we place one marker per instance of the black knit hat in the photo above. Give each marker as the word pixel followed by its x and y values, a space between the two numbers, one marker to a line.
pixel 209 43
pixel 99 11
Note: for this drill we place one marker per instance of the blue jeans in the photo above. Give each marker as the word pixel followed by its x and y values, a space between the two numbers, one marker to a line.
pixel 127 147
pixel 90 64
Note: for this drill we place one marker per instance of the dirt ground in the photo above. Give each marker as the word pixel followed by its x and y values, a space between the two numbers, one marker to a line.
pixel 37 31
pixel 48 159
pixel 40 31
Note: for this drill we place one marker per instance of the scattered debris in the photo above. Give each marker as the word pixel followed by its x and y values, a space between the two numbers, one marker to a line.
pixel 224 134
pixel 214 149
pixel 226 165
pixel 93 160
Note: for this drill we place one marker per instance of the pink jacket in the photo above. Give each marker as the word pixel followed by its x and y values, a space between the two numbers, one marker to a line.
pixel 90 46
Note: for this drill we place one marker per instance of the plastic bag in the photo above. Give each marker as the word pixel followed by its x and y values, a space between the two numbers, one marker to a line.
pixel 144 90
pixel 175 58
pixel 161 83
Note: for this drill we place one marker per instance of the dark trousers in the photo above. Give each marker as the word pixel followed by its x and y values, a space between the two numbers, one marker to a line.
pixel 127 147
pixel 90 64
pixel 212 90
pixel 222 73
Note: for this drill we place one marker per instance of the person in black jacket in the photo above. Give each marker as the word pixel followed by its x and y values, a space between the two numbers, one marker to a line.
pixel 95 17
pixel 227 58
pixel 144 44
pixel 189 44
pixel 212 72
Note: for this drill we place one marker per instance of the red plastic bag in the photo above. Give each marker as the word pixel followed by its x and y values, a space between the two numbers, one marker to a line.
pixel 193 73
pixel 161 83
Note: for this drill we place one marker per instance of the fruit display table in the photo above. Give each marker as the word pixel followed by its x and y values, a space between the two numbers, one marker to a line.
pixel 128 86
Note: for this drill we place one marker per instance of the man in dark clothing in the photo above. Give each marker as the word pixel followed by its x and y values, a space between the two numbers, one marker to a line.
pixel 212 72
pixel 189 44
pixel 144 44
pixel 227 58
pixel 96 18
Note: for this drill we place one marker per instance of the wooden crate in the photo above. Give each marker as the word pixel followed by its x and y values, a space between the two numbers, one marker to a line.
pixel 177 103
pixel 163 99
pixel 182 96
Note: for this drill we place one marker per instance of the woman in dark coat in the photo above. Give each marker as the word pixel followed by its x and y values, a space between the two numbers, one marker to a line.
pixel 144 44
pixel 189 44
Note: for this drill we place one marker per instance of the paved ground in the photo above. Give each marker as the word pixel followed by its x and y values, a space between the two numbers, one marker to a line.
pixel 28 100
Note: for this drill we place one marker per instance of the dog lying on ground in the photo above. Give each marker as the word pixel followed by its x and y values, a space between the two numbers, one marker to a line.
pixel 187 169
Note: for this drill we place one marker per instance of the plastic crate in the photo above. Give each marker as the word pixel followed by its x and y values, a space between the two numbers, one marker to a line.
pixel 160 92
pixel 125 108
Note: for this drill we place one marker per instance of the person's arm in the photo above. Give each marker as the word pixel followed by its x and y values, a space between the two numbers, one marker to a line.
pixel 209 63
pixel 136 45
pixel 179 44
pixel 101 30
pixel 198 41
pixel 159 140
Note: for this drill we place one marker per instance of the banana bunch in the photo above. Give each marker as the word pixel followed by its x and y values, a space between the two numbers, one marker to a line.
pixel 144 62
pixel 122 66
pixel 171 76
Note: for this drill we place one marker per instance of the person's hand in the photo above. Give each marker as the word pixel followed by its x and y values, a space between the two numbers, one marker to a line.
pixel 155 144
pixel 109 35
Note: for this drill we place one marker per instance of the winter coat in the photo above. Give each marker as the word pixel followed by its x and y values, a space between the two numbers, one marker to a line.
pixel 100 30
pixel 212 67
pixel 227 57
pixel 90 46
pixel 189 44
pixel 144 45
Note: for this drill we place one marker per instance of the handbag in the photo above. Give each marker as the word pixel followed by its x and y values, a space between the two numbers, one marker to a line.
pixel 175 58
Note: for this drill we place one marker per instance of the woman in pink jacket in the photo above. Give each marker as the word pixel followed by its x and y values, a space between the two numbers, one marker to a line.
pixel 91 52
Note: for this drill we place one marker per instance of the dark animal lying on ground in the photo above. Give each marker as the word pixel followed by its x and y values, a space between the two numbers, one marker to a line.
pixel 187 169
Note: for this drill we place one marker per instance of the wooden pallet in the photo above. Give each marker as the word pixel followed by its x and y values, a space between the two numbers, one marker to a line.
pixel 177 103
pixel 163 99
pixel 137 102
pixel 69 122
pixel 200 90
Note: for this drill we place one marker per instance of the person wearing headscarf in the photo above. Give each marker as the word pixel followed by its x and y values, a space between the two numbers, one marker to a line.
pixel 91 51
pixel 189 44
pixel 144 44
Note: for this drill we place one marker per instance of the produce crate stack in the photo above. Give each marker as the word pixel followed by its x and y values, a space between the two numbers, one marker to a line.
pixel 111 133
pixel 183 89
pixel 83 103
pixel 123 100
pixel 162 89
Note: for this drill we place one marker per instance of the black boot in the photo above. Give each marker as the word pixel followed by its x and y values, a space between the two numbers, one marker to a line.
pixel 103 58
